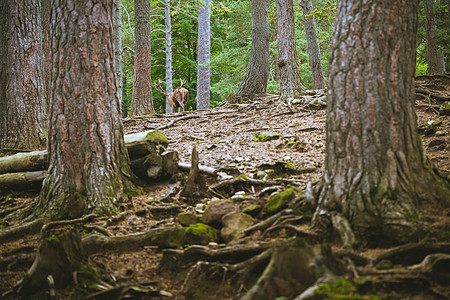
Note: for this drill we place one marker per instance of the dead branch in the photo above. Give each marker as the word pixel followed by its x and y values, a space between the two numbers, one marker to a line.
pixel 176 120
pixel 202 168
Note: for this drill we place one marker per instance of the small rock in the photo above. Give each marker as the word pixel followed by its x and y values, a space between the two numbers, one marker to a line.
pixel 187 219
pixel 216 210
pixel 252 210
pixel 201 234
pixel 234 225
pixel 278 201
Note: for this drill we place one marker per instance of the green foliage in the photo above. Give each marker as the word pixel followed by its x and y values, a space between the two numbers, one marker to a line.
pixel 231 28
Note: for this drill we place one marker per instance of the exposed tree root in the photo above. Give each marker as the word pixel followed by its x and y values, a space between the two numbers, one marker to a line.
pixel 176 259
pixel 18 231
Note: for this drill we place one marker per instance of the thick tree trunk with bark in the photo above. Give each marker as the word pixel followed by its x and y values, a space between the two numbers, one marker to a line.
pixel 22 102
pixel 255 82
pixel 291 86
pixel 142 102
pixel 168 29
pixel 204 56
pixel 315 61
pixel 376 172
pixel 432 49
pixel 88 162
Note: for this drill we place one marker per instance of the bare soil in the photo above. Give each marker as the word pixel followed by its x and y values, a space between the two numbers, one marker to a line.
pixel 223 137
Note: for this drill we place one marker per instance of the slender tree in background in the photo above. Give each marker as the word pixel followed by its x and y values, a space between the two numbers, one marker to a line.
pixel 22 101
pixel 204 56
pixel 432 49
pixel 315 61
pixel 290 82
pixel 376 173
pixel 255 81
pixel 141 101
pixel 168 29
pixel 88 162
pixel 118 50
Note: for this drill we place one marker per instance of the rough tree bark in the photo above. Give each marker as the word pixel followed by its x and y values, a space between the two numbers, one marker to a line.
pixel 168 29
pixel 141 101
pixel 376 172
pixel 291 86
pixel 88 162
pixel 432 49
pixel 315 61
pixel 255 81
pixel 22 102
pixel 204 55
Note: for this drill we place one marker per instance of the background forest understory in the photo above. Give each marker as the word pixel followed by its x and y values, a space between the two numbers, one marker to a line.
pixel 231 26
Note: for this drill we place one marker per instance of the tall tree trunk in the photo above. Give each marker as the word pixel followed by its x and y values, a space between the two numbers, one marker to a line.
pixel 168 28
pixel 22 102
pixel 88 162
pixel 118 47
pixel 376 172
pixel 432 50
pixel 204 56
pixel 290 82
pixel 255 81
pixel 315 61
pixel 141 101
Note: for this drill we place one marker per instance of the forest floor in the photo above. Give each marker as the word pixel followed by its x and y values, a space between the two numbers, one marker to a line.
pixel 223 137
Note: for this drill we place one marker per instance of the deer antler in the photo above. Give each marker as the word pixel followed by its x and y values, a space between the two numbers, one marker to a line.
pixel 182 82
pixel 159 88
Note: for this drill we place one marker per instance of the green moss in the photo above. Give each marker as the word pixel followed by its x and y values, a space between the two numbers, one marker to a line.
pixel 242 176
pixel 169 238
pixel 340 290
pixel 384 265
pixel 266 136
pixel 201 234
pixel 88 277
pixel 411 216
pixel 278 201
pixel 3 224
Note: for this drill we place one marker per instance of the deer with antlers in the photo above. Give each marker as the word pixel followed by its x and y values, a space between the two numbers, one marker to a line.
pixel 177 99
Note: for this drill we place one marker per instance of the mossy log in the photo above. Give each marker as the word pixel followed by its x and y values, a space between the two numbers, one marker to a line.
pixel 147 150
pixel 138 145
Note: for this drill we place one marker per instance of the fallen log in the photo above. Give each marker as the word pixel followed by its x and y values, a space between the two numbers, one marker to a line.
pixel 23 180
pixel 138 145
pixel 147 150
pixel 21 162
